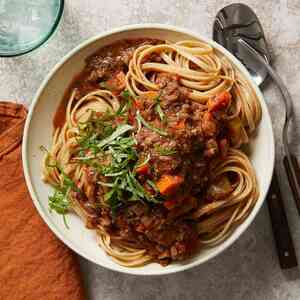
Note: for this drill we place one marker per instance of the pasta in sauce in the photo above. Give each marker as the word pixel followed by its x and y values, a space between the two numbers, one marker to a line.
pixel 146 149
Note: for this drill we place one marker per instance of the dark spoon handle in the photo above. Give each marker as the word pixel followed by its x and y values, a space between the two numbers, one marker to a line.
pixel 280 226
pixel 290 178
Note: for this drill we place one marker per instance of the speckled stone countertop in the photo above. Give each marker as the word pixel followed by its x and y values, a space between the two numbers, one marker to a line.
pixel 249 269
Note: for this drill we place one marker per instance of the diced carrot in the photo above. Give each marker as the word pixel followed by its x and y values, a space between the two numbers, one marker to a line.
pixel 168 184
pixel 149 96
pixel 180 125
pixel 143 170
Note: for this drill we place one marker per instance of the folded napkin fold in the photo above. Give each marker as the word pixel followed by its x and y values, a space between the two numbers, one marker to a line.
pixel 34 264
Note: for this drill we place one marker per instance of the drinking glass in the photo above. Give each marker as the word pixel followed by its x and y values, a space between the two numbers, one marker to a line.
pixel 27 24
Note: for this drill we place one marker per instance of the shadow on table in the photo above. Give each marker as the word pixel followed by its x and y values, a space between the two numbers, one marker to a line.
pixel 291 274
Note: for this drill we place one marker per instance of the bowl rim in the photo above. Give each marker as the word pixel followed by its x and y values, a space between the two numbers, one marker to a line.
pixel 146 26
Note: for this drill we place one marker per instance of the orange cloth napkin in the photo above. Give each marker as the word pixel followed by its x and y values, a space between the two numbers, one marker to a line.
pixel 34 264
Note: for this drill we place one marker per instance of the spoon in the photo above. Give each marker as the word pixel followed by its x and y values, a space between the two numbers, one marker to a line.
pixel 238 29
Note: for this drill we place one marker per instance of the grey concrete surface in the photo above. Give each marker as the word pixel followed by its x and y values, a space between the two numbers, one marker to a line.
pixel 249 269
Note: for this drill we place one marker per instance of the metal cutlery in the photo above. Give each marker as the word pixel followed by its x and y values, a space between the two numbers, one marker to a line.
pixel 238 29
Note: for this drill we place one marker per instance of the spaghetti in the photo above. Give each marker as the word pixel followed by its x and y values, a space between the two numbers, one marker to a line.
pixel 148 151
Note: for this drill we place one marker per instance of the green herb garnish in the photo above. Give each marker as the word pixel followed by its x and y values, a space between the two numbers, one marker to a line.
pixel 92 132
pixel 119 150
pixel 144 162
pixel 126 94
pixel 143 121
pixel 119 131
pixel 159 110
pixel 59 201
pixel 153 185
pixel 165 151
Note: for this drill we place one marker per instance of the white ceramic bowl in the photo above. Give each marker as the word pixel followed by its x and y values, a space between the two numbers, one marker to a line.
pixel 38 131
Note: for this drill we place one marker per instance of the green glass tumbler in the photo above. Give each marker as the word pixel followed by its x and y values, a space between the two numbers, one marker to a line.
pixel 27 24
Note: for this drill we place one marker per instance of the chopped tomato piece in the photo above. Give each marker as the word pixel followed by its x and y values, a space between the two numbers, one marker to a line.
pixel 131 118
pixel 143 170
pixel 168 184
pixel 99 114
pixel 137 104
pixel 220 102
pixel 169 204
pixel 176 77
pixel 224 147
pixel 119 119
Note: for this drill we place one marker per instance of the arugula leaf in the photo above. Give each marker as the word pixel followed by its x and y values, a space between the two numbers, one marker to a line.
pixel 143 121
pixel 144 162
pixel 60 204
pixel 126 94
pixel 119 131
pixel 160 112
pixel 122 110
pixel 114 157
pixel 153 185
pixel 105 183
pixel 59 201
pixel 95 130
pixel 129 98
pixel 158 109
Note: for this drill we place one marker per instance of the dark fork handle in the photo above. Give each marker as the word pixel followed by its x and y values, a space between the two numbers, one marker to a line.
pixel 281 231
pixel 290 178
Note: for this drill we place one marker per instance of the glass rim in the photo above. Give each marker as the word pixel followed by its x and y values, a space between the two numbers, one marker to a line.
pixel 43 40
